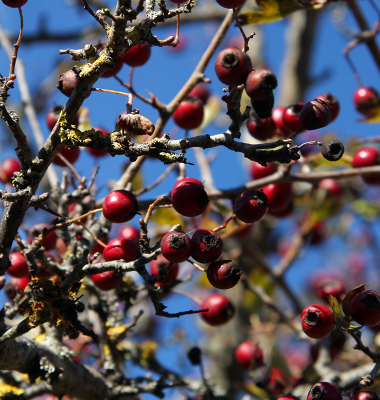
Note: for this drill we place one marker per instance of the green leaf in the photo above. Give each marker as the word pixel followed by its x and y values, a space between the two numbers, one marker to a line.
pixel 366 208
pixel 340 320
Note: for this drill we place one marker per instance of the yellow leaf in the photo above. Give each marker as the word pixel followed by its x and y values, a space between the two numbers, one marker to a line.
pixel 340 320
pixel 137 181
pixel 271 11
pixel 40 337
pixel 84 119
pixel 211 110
pixel 116 330
pixel 166 216
pixel 373 115
pixel 7 389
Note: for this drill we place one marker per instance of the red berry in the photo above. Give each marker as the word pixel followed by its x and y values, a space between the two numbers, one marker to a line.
pixel 107 280
pixel 129 232
pixel 365 396
pixel 220 309
pixel 285 212
pixel 230 3
pixel 288 397
pixel 251 206
pixel 14 3
pixel 232 66
pixel 115 70
pixel 98 153
pixel 260 83
pixel 223 274
pixel 200 91
pixel 317 232
pixel 291 115
pixel 324 391
pixel 66 82
pixel 365 308
pixel 189 113
pixel 317 321
pixel 53 115
pixel 258 171
pixel 278 118
pixel 207 246
pixel 366 99
pixel 263 108
pixel 189 199
pixel 329 285
pixel 332 102
pixel 332 187
pixel 261 129
pixel 249 355
pixel 277 381
pixel 176 246
pixel 315 114
pixel 367 157
pixel 8 168
pixel 50 240
pixel 166 268
pixel 98 248
pixel 70 155
pixel 279 195
pixel 138 55
pixel 121 249
pixel 186 180
pixel 14 285
pixel 19 267
pixel 120 206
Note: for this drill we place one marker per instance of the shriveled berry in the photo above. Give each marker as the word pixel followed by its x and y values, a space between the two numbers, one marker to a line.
pixel 223 274
pixel 120 206
pixel 258 171
pixel 251 206
pixel 220 309
pixel 137 55
pixel 315 114
pixel 263 108
pixel 230 3
pixel 14 3
pixel 107 280
pixel 332 102
pixel 19 267
pixel 189 113
pixel 366 99
pixel 8 168
pixel 365 308
pixel 98 153
pixel 260 83
pixel 176 246
pixel 232 66
pixel 365 396
pixel 70 155
pixel 49 241
pixel 279 195
pixel 164 268
pixel 324 391
pixel 189 199
pixel 135 123
pixel 249 355
pixel 66 82
pixel 317 321
pixel 332 150
pixel 291 117
pixel 200 91
pixel 207 246
pixel 121 249
pixel 53 115
pixel 261 129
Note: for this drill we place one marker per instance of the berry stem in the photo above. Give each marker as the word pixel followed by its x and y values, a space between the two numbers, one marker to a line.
pixel 191 296
pixel 130 96
pixel 196 265
pixel 219 228
pixel 246 39
pixel 360 346
pixel 152 206
pixel 16 47
pixel 80 217
pixel 92 235
pixel 353 68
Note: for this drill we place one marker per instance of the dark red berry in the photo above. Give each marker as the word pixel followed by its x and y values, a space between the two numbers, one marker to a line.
pixel 332 187
pixel 14 3
pixel 367 157
pixel 8 168
pixel 70 155
pixel 167 270
pixel 137 55
pixel 232 66
pixel 317 321
pixel 332 102
pixel 50 240
pixel 177 2
pixel 98 153
pixel 189 113
pixel 223 274
pixel 260 83
pixel 186 180
pixel 129 232
pixel 285 212
pixel 317 232
pixel 365 396
pixel 120 206
pixel 115 70
pixel 200 91
pixel 277 116
pixel 53 115
pixel 107 280
pixel 328 286
pixel 207 246
pixel 249 355
pixel 279 195
pixel 14 285
pixel 324 391
pixel 277 381
pixel 19 267
pixel 176 246
pixel 263 108
pixel 230 3
pixel 261 129
pixel 366 99
pixel 121 249
pixel 365 308
pixel 315 114
pixel 189 199
pixel 66 82
pixel 220 309
pixel 258 171
pixel 288 397
pixel 251 206
pixel 291 117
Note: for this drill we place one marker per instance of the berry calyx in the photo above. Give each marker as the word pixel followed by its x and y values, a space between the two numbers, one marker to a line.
pixel 291 117
pixel 258 171
pixel 230 3
pixel 251 206
pixel 189 199
pixel 249 355
pixel 366 99
pixel 189 113
pixel 164 268
pixel 220 309
pixel 107 280
pixel 70 155
pixel 324 391
pixel 232 66
pixel 332 102
pixel 14 3
pixel 317 321
pixel 66 82
pixel 8 168
pixel 19 267
pixel 223 274
pixel 176 246
pixel 279 195
pixel 315 114
pixel 260 83
pixel 367 157
pixel 137 55
pixel 207 246
pixel 332 150
pixel 200 91
pixel 365 308
pixel 121 249
pixel 261 129
pixel 120 206
pixel 53 115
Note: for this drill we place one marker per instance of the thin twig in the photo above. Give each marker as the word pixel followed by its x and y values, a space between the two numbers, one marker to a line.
pixel 16 46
